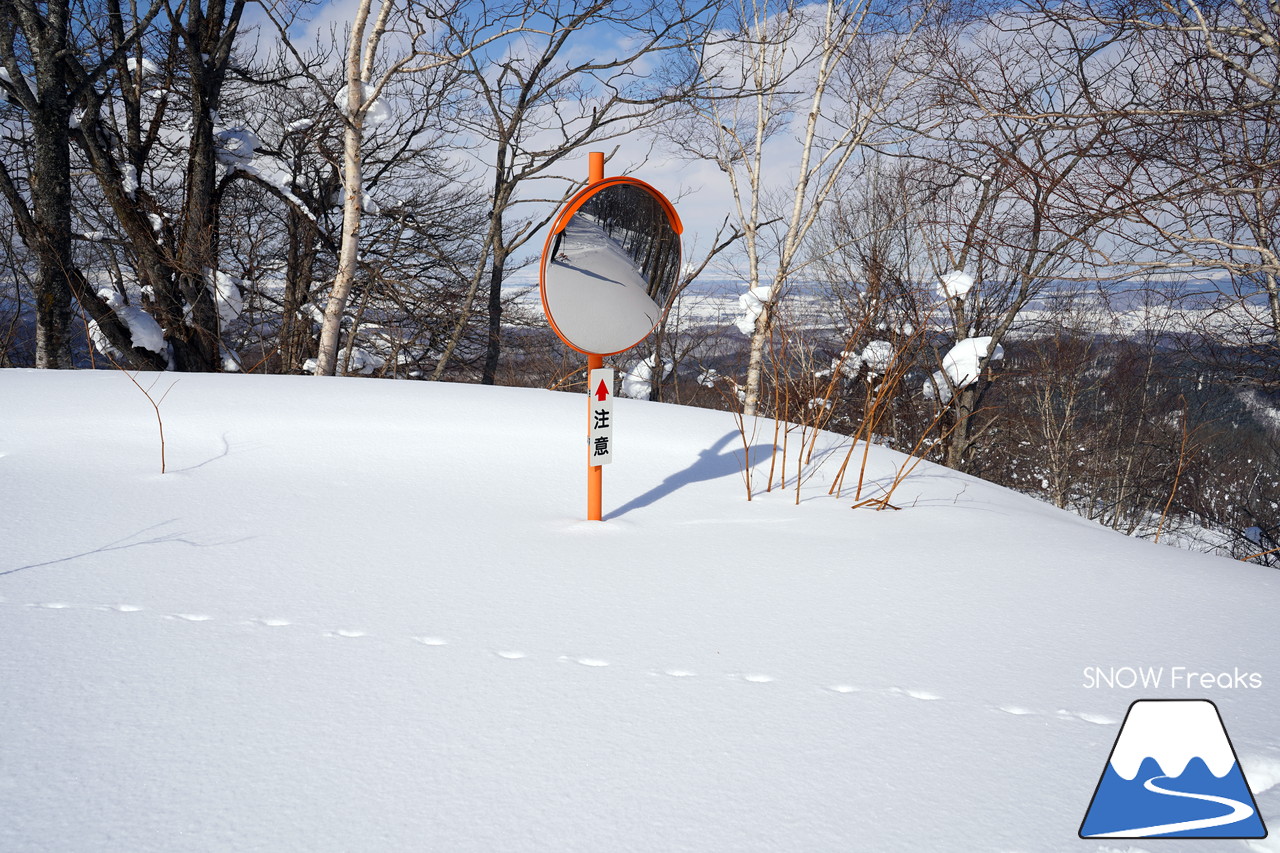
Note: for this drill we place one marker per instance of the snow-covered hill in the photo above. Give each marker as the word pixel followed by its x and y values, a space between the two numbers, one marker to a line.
pixel 364 615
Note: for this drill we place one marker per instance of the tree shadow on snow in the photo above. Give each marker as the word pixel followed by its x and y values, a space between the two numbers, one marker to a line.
pixel 711 464
pixel 151 535
pixel 226 451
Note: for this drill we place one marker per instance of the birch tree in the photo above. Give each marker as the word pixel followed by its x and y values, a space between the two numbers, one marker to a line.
pixel 425 36
pixel 794 94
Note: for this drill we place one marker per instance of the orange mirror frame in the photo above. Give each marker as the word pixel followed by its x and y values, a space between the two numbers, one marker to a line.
pixel 610 265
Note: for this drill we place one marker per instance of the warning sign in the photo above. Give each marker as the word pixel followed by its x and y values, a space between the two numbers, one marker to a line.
pixel 600 416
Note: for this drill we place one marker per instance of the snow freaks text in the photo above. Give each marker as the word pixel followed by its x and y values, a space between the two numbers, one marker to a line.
pixel 1172 678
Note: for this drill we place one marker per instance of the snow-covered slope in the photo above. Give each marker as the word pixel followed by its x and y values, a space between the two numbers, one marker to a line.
pixel 364 615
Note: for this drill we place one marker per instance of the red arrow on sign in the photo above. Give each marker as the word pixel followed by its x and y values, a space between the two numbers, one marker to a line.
pixel 602 391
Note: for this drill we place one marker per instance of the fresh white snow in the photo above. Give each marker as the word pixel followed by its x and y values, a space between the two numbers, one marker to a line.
pixel 961 365
pixel 376 113
pixel 236 146
pixel 144 331
pixel 877 356
pixel 226 294
pixel 750 306
pixel 956 284
pixel 637 382
pixel 149 67
pixel 367 615
pixel 129 179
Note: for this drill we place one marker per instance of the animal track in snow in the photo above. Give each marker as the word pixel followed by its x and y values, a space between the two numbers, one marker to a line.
pixel 1262 771
pixel 757 678
pixel 1096 719
pixel 585 661
pixel 839 688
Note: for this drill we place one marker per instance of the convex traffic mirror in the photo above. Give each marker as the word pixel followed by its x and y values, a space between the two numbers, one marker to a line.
pixel 610 266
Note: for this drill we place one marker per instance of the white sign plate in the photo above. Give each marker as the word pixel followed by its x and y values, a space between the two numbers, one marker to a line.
pixel 600 416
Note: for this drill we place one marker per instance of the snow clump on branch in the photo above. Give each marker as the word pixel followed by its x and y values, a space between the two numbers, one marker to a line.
pixel 752 304
pixel 638 383
pixel 226 294
pixel 143 328
pixel 149 68
pixel 376 113
pixel 956 284
pixel 961 367
pixel 876 357
pixel 236 146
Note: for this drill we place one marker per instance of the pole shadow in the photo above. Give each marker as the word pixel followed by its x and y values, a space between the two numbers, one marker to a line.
pixel 711 464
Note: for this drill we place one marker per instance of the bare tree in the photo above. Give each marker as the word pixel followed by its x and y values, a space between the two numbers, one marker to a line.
pixel 16 347
pixel 397 43
pixel 871 263
pixel 541 101
pixel 1192 92
pixel 801 91
pixel 47 75
pixel 155 146
pixel 1215 165
pixel 1017 197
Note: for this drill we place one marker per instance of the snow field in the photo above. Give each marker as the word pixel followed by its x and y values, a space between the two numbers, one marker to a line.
pixel 366 615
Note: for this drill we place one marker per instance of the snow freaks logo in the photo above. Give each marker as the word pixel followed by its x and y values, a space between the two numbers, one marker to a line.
pixel 1177 677
pixel 1172 774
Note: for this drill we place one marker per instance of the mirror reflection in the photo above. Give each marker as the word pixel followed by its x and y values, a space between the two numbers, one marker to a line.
pixel 609 274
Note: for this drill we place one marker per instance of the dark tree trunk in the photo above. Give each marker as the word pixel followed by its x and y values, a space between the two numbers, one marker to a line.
pixel 503 188
pixel 493 348
pixel 197 343
pixel 51 203
pixel 297 343
pixel 46 226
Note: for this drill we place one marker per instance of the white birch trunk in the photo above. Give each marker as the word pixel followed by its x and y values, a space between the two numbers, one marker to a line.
pixel 359 66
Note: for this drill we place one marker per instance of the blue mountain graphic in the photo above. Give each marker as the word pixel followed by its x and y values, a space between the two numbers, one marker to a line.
pixel 1121 805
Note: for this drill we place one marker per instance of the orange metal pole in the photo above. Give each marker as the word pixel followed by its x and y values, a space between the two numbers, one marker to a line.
pixel 595 473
